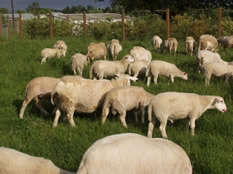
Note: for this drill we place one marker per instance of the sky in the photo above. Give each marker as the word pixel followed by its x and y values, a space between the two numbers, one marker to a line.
pixel 53 4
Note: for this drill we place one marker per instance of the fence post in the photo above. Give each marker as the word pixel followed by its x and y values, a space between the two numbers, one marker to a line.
pixel 84 25
pixel 123 24
pixel 8 27
pixel 0 25
pixel 68 19
pixel 219 22
pixel 20 26
pixel 168 23
pixel 38 17
pixel 51 26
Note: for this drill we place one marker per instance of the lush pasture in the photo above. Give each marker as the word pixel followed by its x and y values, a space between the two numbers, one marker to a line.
pixel 210 150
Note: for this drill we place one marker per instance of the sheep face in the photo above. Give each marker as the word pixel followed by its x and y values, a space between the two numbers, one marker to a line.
pixel 219 104
pixel 129 58
pixel 185 76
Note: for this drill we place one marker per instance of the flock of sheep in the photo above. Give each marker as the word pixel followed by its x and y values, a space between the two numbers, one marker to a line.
pixel 118 153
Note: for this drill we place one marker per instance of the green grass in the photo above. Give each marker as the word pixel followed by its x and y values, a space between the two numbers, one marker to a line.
pixel 210 150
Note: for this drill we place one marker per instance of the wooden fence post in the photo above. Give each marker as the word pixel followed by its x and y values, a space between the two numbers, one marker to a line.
pixel 8 27
pixel 51 26
pixel 38 17
pixel 168 23
pixel 219 22
pixel 68 19
pixel 84 25
pixel 123 24
pixel 20 26
pixel 0 25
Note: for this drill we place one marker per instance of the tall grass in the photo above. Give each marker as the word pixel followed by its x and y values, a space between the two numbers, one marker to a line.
pixel 210 150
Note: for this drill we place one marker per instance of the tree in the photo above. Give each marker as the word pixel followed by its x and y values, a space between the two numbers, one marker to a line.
pixel 3 10
pixel 33 8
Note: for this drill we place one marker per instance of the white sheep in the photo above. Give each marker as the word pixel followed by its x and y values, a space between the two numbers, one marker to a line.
pixel 137 67
pixel 38 88
pixel 106 68
pixel 172 45
pixel 156 42
pixel 140 53
pixel 189 45
pixel 60 44
pixel 218 70
pixel 77 63
pixel 13 161
pixel 226 41
pixel 123 99
pixel 75 94
pixel 208 42
pixel 48 53
pixel 131 153
pixel 177 105
pixel 96 51
pixel 114 47
pixel 159 67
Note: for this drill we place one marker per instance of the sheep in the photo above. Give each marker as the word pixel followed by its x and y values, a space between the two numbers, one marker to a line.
pixel 156 42
pixel 60 44
pixel 178 105
pixel 77 63
pixel 114 47
pixel 96 51
pixel 38 88
pixel 130 153
pixel 158 67
pixel 172 45
pixel 82 95
pixel 137 67
pixel 218 70
pixel 189 45
pixel 208 42
pixel 226 41
pixel 48 53
pixel 123 99
pixel 106 68
pixel 140 53
pixel 13 161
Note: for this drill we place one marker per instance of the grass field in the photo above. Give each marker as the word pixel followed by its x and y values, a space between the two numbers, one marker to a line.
pixel 210 150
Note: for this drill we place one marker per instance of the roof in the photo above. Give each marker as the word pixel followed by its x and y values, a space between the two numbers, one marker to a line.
pixel 25 16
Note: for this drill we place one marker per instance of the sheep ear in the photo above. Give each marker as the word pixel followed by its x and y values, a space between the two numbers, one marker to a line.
pixel 216 100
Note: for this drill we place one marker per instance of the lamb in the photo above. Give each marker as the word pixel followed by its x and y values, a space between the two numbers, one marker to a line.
pixel 218 70
pixel 82 95
pixel 114 47
pixel 226 41
pixel 178 105
pixel 96 51
pixel 137 67
pixel 48 53
pixel 77 63
pixel 60 44
pixel 156 42
pixel 189 45
pixel 172 45
pixel 38 88
pixel 208 42
pixel 134 154
pixel 140 53
pixel 123 99
pixel 105 68
pixel 13 161
pixel 158 67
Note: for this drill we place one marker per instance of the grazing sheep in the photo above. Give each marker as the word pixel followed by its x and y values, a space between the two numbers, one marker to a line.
pixel 178 105
pixel 82 95
pixel 218 70
pixel 131 153
pixel 60 44
pixel 156 42
pixel 208 42
pixel 123 99
pixel 114 47
pixel 77 63
pixel 189 45
pixel 137 67
pixel 172 45
pixel 159 67
pixel 48 53
pixel 140 53
pixel 38 88
pixel 106 68
pixel 13 161
pixel 96 51
pixel 226 41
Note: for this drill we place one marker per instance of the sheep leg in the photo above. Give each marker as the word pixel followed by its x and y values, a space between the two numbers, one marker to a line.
pixel 122 118
pixel 70 115
pixel 40 107
pixel 227 77
pixel 151 120
pixel 24 105
pixel 143 114
pixel 105 113
pixel 148 80
pixel 43 60
pixel 162 128
pixel 156 78
pixel 57 116
pixel 172 78
pixel 192 122
pixel 136 116
pixel 207 79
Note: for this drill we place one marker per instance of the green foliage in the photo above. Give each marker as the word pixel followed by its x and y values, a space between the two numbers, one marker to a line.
pixel 3 10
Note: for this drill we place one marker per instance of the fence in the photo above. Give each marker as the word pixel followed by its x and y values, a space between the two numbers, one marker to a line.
pixel 19 27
